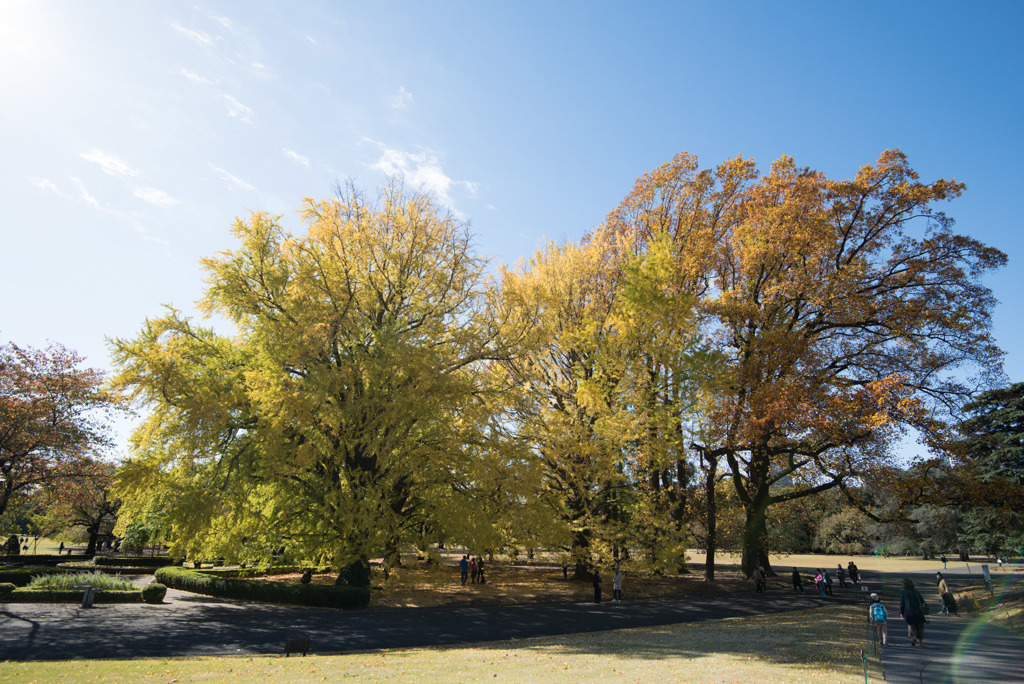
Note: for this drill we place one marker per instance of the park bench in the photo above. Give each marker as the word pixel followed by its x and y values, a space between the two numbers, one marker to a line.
pixel 296 645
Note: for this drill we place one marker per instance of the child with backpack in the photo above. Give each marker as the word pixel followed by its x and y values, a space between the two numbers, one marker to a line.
pixel 877 615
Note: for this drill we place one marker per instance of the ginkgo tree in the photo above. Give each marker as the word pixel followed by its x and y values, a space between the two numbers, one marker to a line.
pixel 604 383
pixel 564 408
pixel 844 311
pixel 670 372
pixel 348 412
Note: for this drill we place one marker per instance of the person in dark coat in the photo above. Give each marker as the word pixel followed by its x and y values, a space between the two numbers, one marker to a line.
pixel 597 586
pixel 798 583
pixel 912 611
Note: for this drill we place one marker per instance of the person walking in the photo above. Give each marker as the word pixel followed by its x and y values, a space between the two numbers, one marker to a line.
pixel 819 583
pixel 877 614
pixel 854 572
pixel 828 582
pixel 480 570
pixel 942 557
pixel 597 586
pixel 913 611
pixel 841 575
pixel 464 569
pixel 617 586
pixel 757 580
pixel 945 596
pixel 472 571
pixel 798 583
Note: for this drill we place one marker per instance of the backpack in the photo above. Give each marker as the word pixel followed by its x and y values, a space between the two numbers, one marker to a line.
pixel 878 612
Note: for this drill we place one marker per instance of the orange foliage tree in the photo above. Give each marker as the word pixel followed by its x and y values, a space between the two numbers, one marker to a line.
pixel 52 417
pixel 844 311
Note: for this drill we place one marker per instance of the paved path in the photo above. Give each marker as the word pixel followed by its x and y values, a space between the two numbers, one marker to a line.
pixel 191 625
pixel 958 649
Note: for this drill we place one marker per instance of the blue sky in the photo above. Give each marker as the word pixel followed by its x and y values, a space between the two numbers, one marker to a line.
pixel 132 133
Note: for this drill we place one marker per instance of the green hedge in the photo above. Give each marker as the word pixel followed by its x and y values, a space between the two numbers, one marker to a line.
pixel 317 595
pixel 21 577
pixel 73 596
pixel 154 592
pixel 134 561
pixel 255 571
pixel 41 559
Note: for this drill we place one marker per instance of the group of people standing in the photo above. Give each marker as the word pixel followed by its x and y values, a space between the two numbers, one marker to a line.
pixel 616 586
pixel 822 580
pixel 472 568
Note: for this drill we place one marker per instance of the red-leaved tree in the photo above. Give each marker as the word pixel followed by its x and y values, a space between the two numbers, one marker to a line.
pixel 53 416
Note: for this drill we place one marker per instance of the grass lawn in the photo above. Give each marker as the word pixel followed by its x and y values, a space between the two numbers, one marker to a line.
pixel 814 645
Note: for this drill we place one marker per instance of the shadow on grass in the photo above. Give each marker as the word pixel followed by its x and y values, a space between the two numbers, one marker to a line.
pixel 830 638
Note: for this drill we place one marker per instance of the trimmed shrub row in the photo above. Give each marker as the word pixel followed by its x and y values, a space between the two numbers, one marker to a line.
pixel 316 595
pixel 70 596
pixel 21 577
pixel 254 571
pixel 134 561
pixel 41 559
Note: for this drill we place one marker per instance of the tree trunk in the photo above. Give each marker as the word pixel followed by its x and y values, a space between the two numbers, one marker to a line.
pixel 392 556
pixel 94 535
pixel 755 538
pixel 581 554
pixel 711 521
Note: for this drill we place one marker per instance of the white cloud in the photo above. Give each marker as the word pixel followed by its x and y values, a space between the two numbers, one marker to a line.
pixel 84 194
pixel 231 178
pixel 195 77
pixel 402 99
pixel 295 156
pixel 44 184
pixel 421 170
pixel 310 38
pixel 155 197
pixel 110 164
pixel 237 110
pixel 223 21
pixel 197 36
pixel 152 238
